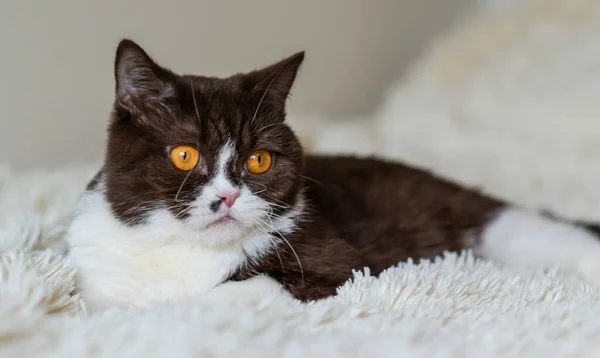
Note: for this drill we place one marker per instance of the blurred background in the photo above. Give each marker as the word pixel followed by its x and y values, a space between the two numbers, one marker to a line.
pixel 56 63
pixel 498 94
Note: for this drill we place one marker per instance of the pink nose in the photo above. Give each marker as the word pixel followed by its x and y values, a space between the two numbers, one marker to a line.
pixel 229 197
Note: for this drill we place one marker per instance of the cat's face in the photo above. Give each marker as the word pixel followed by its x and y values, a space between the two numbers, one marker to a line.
pixel 213 153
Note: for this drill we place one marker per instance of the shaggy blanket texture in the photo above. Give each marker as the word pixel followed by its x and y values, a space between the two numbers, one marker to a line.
pixel 453 307
pixel 489 122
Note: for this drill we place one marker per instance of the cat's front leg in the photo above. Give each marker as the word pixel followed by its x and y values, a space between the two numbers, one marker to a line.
pixel 254 289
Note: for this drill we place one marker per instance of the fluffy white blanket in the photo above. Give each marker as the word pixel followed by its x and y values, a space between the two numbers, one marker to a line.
pixel 453 307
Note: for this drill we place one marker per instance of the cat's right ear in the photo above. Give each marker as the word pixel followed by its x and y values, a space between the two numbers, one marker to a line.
pixel 141 84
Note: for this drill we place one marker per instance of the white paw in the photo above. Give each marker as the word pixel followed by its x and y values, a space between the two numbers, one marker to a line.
pixel 255 289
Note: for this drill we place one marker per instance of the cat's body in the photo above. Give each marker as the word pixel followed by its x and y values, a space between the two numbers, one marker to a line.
pixel 205 191
pixel 350 222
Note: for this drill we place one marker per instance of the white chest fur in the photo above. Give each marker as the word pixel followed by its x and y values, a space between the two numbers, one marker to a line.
pixel 160 261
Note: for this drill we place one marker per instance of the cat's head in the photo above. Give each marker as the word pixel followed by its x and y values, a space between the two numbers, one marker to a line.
pixel 213 153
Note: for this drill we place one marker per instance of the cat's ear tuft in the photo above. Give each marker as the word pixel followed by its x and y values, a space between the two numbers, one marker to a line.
pixel 138 78
pixel 276 81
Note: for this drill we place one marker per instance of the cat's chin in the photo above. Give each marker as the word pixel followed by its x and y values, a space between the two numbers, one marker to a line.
pixel 225 220
pixel 224 232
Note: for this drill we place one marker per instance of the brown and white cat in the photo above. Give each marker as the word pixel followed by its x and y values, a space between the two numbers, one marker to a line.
pixel 205 185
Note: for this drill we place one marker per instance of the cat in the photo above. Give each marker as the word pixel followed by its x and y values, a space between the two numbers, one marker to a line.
pixel 206 190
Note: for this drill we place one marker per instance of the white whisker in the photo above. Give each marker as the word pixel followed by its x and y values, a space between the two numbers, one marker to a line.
pixel 194 98
pixel 270 125
pixel 198 115
pixel 262 229
pixel 277 205
pixel 263 98
pixel 290 245
pixel 182 184
pixel 311 179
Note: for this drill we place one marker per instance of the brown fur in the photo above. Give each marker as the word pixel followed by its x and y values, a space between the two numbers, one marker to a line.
pixel 162 112
pixel 371 213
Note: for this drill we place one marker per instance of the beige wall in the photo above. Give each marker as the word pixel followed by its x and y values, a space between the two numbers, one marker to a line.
pixel 56 57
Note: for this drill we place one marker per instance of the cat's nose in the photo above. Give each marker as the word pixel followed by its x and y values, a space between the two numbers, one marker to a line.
pixel 229 197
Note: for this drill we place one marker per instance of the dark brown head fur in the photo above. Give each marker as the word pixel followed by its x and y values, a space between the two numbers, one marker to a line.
pixel 156 109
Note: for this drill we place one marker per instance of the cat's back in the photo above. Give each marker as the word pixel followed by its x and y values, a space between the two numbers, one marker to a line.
pixel 369 200
pixel 378 185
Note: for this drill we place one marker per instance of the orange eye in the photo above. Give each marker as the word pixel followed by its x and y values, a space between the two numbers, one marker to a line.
pixel 185 157
pixel 259 162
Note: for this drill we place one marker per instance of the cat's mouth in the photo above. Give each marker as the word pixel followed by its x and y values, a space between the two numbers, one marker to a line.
pixel 224 220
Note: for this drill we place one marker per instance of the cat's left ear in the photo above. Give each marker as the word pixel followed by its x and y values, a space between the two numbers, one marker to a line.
pixel 141 84
pixel 274 82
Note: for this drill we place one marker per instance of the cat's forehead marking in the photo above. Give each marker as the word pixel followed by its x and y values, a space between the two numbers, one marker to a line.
pixel 225 156
pixel 224 160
